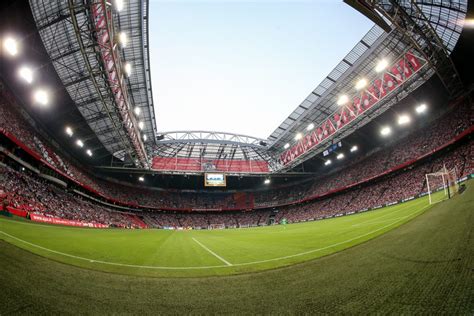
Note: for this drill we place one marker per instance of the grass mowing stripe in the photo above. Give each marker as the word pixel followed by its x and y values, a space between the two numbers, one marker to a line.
pixel 212 252
pixel 105 262
pixel 333 245
pixel 228 264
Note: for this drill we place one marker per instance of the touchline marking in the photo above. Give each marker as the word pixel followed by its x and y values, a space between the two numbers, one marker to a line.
pixel 383 221
pixel 212 252
pixel 205 267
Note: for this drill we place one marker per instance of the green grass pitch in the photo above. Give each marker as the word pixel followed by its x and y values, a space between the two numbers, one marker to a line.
pixel 422 266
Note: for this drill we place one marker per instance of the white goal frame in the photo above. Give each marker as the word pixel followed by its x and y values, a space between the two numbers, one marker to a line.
pixel 449 183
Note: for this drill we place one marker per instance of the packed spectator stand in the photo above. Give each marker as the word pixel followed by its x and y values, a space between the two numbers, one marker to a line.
pixel 371 181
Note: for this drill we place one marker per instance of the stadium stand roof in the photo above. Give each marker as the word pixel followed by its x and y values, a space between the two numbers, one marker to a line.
pixel 68 32
pixel 444 17
pixel 211 147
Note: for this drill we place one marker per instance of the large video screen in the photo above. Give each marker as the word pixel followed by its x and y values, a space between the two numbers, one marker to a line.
pixel 214 180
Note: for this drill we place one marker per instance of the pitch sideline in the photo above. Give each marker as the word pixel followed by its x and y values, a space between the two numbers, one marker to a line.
pixel 209 267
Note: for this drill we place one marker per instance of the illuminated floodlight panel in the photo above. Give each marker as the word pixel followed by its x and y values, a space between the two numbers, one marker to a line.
pixel 41 97
pixel 26 74
pixel 385 131
pixel 421 108
pixel 10 45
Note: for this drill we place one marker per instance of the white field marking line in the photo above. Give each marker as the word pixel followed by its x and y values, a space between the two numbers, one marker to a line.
pixel 403 208
pixel 375 222
pixel 204 267
pixel 212 252
pixel 107 262
pixel 330 246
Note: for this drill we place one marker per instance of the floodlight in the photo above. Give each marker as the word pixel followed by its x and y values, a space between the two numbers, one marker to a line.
pixel 89 152
pixel 141 179
pixel 26 74
pixel 137 110
pixel 267 181
pixel 343 99
pixel 10 45
pixel 141 125
pixel 69 131
pixel 123 39
pixel 327 162
pixel 467 23
pixel 79 143
pixel 361 84
pixel 298 136
pixel 119 5
pixel 421 108
pixel 354 148
pixel 128 69
pixel 41 96
pixel 385 131
pixel 340 156
pixel 310 127
pixel 381 65
pixel 403 119
pixel 286 146
pixel 144 137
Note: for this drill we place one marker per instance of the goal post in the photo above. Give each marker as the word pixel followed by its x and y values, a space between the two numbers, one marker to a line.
pixel 441 185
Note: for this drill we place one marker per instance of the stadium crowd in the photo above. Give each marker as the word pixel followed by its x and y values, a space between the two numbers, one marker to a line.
pixel 25 190
pixel 28 192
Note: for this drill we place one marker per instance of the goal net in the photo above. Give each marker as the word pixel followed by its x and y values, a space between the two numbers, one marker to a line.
pixel 441 185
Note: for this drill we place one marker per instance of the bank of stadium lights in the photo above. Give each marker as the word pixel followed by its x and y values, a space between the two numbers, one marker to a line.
pixel 141 125
pixel 79 143
pixel 89 152
pixel 298 136
pixel 141 178
pixel 41 97
pixel 123 39
pixel 10 45
pixel 467 23
pixel 287 145
pixel 267 181
pixel 361 84
pixel 340 156
pixel 137 110
pixel 26 74
pixel 421 108
pixel 119 4
pixel 327 162
pixel 343 99
pixel 385 131
pixel 127 67
pixel 404 119
pixel 354 148
pixel 310 127
pixel 69 131
pixel 381 65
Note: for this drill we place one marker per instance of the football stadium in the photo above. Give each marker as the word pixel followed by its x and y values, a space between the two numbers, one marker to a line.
pixel 361 200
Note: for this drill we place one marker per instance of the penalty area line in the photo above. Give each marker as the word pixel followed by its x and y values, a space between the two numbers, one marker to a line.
pixel 212 252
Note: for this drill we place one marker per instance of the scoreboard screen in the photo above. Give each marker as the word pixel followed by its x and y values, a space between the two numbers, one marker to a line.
pixel 214 180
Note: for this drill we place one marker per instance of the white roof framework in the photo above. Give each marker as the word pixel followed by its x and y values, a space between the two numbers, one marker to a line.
pixel 68 32
pixel 444 17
